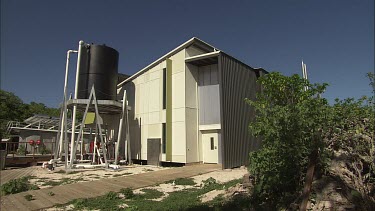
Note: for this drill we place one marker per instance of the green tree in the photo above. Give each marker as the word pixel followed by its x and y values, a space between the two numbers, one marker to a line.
pixel 11 108
pixel 290 121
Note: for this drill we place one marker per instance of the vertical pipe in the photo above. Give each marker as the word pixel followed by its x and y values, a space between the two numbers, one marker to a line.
pixel 81 43
pixel 65 90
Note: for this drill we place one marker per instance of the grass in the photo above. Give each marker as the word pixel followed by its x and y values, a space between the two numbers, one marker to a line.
pixel 182 181
pixel 188 199
pixel 149 194
pixel 127 192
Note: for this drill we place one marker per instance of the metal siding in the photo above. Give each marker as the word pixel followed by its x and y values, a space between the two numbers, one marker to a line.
pixel 237 82
pixel 209 95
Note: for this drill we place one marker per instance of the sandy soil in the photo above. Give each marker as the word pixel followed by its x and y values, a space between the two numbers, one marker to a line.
pixel 221 176
pixel 43 176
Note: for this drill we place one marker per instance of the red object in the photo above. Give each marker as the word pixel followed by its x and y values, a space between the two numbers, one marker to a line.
pixel 91 146
pixel 31 142
pixel 38 142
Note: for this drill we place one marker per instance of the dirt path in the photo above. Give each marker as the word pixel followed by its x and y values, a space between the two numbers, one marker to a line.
pixel 66 193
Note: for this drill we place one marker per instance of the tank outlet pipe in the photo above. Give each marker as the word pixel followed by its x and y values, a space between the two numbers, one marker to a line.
pixel 64 99
pixel 81 43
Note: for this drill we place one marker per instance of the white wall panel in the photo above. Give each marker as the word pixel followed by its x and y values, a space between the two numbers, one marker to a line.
pixel 178 138
pixel 154 117
pixel 178 90
pixel 178 115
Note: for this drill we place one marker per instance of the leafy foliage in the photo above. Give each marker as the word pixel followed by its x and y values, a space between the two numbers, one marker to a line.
pixel 13 109
pixel 44 150
pixel 21 150
pixel 290 121
pixel 293 123
pixel 351 139
pixel 17 185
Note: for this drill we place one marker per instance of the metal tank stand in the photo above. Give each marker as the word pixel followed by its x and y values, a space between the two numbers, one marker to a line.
pixel 123 120
pixel 99 122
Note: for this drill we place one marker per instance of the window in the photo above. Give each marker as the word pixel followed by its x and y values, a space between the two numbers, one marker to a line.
pixel 164 88
pixel 212 143
pixel 163 140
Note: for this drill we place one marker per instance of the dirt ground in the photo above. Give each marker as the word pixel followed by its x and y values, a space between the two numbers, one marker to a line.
pixel 44 178
pixel 220 176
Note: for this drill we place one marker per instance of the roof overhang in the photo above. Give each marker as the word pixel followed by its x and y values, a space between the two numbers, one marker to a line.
pixel 204 59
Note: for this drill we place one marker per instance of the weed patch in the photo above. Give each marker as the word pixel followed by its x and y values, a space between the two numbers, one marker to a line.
pixel 188 199
pixel 17 185
pixel 29 197
pixel 182 181
pixel 128 193
pixel 149 194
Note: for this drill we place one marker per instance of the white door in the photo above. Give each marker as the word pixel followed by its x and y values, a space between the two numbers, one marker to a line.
pixel 210 148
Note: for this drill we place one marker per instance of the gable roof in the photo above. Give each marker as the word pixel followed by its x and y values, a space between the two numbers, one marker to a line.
pixel 186 44
pixel 193 41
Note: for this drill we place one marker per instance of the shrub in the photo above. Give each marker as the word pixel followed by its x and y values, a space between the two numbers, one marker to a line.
pixel 290 122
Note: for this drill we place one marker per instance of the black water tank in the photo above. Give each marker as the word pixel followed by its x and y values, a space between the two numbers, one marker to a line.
pixel 99 67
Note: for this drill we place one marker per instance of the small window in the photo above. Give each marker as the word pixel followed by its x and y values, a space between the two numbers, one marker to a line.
pixel 212 143
pixel 164 88
pixel 163 144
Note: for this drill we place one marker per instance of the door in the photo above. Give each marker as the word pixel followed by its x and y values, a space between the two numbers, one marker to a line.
pixel 210 148
pixel 153 151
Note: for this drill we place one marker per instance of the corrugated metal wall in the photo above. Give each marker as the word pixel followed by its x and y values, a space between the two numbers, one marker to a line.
pixel 209 99
pixel 237 82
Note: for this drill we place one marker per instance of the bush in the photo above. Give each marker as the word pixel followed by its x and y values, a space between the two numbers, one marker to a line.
pixel 289 120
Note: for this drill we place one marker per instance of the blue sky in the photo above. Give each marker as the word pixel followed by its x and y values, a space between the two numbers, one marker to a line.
pixel 334 38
